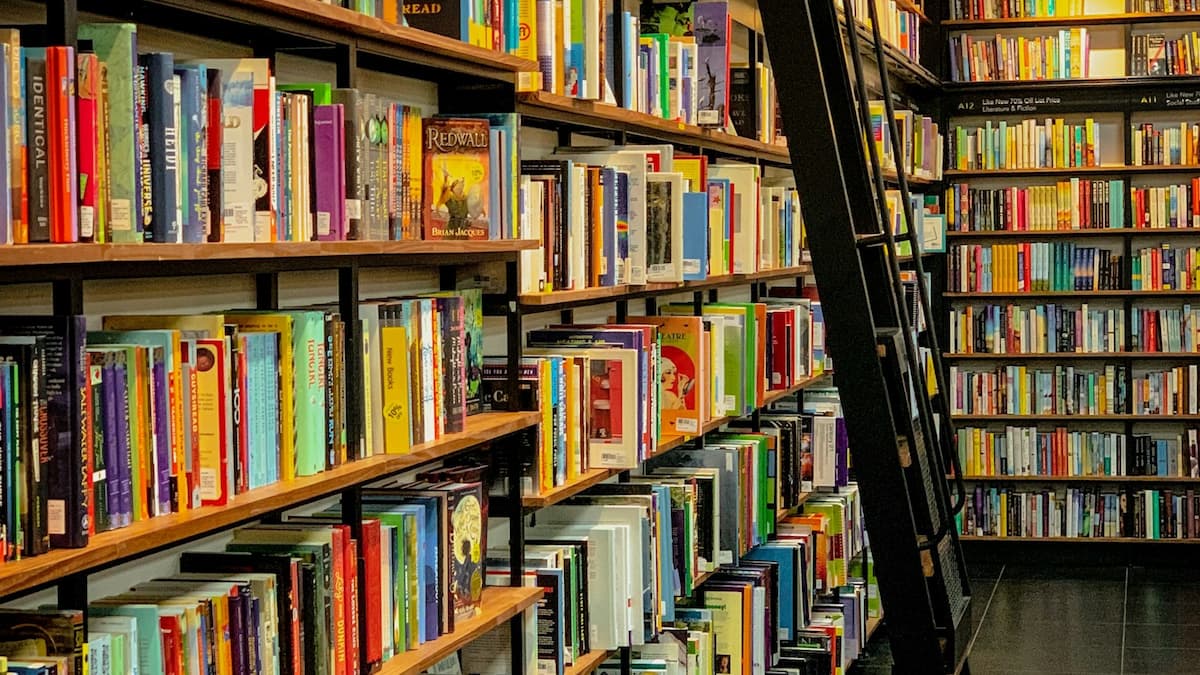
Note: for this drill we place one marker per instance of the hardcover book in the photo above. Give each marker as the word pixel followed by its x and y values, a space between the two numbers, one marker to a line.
pixel 456 178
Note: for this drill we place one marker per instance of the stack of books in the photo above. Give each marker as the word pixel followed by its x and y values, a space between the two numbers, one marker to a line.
pixel 1028 451
pixel 1026 144
pixel 1165 268
pixel 1065 54
pixel 1175 145
pixel 1021 390
pixel 1038 329
pixel 920 143
pixel 1073 204
pixel 1034 266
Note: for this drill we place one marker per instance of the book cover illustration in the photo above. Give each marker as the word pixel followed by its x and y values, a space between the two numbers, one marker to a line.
pixel 467 540
pixel 457 155
pixel 710 28
pixel 672 18
pixel 664 235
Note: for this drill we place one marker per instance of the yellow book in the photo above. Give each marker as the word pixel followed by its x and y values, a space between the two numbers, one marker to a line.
pixel 573 366
pixel 1003 515
pixel 282 324
pixel 439 394
pixel 527 47
pixel 1090 151
pixel 546 455
pixel 397 422
pixel 1022 63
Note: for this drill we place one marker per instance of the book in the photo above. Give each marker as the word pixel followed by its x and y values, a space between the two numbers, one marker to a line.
pixel 456 178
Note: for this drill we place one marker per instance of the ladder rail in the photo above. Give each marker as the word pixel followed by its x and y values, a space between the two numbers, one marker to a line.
pixel 923 290
pixel 925 412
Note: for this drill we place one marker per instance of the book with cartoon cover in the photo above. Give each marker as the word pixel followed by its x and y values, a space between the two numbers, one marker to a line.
pixel 456 177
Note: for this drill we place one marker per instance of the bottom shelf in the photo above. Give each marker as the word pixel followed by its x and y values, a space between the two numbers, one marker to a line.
pixel 1078 540
pixel 589 662
pixel 499 605
pixel 873 624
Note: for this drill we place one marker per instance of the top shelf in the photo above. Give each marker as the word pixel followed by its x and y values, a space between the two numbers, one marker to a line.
pixel 1125 18
pixel 47 262
pixel 544 107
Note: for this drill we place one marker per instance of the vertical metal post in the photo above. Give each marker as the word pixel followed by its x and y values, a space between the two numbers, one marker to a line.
pixel 68 296
pixel 345 60
pixel 697 302
pixel 62 22
pixel 622 310
pixel 524 442
pixel 266 290
pixel 355 406
pixel 73 594
pixel 651 306
pixel 447 277
pixel 618 56
pixel 567 316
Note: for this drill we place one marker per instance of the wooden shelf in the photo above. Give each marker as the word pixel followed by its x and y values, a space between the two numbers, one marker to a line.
pixel 154 534
pixel 1111 170
pixel 594 476
pixel 1074 294
pixel 1085 20
pixel 499 605
pixel 544 107
pixel 1081 479
pixel 1124 83
pixel 897 62
pixel 1074 234
pixel 1070 356
pixel 873 624
pixel 589 662
pixel 557 300
pixel 1077 540
pixel 33 262
pixel 1029 419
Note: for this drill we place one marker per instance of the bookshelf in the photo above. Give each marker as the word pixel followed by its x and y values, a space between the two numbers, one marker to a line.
pixel 1074 356
pixel 1181 480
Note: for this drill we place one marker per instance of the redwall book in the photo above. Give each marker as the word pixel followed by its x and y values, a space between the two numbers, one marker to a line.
pixel 456 176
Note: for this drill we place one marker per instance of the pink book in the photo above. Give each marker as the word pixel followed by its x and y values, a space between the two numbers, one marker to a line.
pixel 329 149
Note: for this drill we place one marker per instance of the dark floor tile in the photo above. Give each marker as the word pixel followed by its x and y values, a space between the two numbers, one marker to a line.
pixel 1059 661
pixel 984 571
pixel 1163 603
pixel 1019 601
pixel 1004 670
pixel 1140 661
pixel 1162 636
pixel 1164 575
pixel 1049 645
pixel 1065 572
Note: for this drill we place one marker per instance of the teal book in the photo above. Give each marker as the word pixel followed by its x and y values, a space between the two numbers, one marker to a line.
pixel 116 46
pixel 308 339
pixel 122 632
pixel 148 646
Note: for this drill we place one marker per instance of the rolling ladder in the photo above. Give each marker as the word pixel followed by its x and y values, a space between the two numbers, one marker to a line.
pixel 901 436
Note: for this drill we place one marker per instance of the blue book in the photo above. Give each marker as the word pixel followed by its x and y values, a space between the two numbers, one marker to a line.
pixel 423 562
pixel 164 146
pixel 193 155
pixel 623 225
pixel 496 224
pixel 6 212
pixel 695 236
pixel 431 527
pixel 787 600
pixel 608 186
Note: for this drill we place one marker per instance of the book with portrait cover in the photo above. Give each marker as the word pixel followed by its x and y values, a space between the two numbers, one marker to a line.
pixel 456 176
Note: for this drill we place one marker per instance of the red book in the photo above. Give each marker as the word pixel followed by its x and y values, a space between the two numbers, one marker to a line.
pixel 340 585
pixel 353 631
pixel 243 429
pixel 372 588
pixel 87 152
pixel 60 130
pixel 172 645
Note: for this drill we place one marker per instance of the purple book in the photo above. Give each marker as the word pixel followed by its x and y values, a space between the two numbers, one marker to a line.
pixel 116 515
pixel 710 27
pixel 162 432
pixel 843 453
pixel 329 149
pixel 124 451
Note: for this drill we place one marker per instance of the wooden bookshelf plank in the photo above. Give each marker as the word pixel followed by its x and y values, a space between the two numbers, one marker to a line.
pixel 1085 20
pixel 150 535
pixel 1069 356
pixel 1075 540
pixel 1098 232
pixel 546 107
pixel 873 624
pixel 1110 170
pixel 499 605
pixel 1080 479
pixel 557 494
pixel 1100 84
pixel 543 302
pixel 1075 418
pixel 589 662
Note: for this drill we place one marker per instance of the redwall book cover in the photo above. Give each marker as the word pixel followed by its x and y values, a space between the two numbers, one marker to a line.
pixel 456 178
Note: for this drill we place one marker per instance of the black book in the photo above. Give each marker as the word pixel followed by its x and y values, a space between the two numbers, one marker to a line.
pixel 30 445
pixel 38 143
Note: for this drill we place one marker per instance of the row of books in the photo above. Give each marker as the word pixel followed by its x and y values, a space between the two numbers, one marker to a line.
pixel 1174 145
pixel 753 104
pixel 1173 331
pixel 1070 512
pixel 733 533
pixel 1164 514
pixel 1166 206
pixel 1038 329
pixel 641 214
pixel 1164 6
pixel 176 412
pixel 918 150
pixel 1165 268
pixel 1155 54
pixel 1028 451
pixel 1065 54
pixel 898 27
pixel 595 384
pixel 1061 390
pixel 285 597
pixel 981 9
pixel 217 150
pixel 1034 266
pixel 1027 144
pixel 1073 204
pixel 1167 392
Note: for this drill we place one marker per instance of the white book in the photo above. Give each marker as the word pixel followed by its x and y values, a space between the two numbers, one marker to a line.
pixel 745 181
pixel 577 226
pixel 664 227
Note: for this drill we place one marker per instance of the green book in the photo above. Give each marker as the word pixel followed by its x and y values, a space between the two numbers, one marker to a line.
pixel 322 92
pixel 308 339
pixel 148 647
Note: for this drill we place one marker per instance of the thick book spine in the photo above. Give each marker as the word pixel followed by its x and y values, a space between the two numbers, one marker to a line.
pixel 330 194
pixel 38 141
pixel 454 369
pixel 214 219
pixel 164 147
pixel 354 149
pixel 88 87
pixel 64 181
pixel 193 179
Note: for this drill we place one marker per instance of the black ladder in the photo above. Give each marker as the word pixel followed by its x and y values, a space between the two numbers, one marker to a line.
pixel 901 437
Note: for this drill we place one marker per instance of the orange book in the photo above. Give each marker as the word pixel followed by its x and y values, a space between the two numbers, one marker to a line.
pixel 60 130
pixel 760 316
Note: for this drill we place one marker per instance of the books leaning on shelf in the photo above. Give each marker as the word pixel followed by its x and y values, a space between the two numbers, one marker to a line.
pixel 603 219
pixel 1173 331
pixel 590 382
pixel 920 143
pixel 972 10
pixel 1060 55
pixel 1165 6
pixel 898 27
pixel 1154 54
pixel 1028 451
pixel 1165 268
pixel 1048 328
pixel 1026 144
pixel 1170 391
pixel 1074 204
pixel 1082 513
pixel 1061 390
pixel 214 150
pixel 690 543
pixel 1033 266
pixel 1174 145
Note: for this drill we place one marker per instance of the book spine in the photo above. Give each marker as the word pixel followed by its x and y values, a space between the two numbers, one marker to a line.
pixel 193 152
pixel 164 147
pixel 64 184
pixel 214 218
pixel 89 153
pixel 330 194
pixel 38 132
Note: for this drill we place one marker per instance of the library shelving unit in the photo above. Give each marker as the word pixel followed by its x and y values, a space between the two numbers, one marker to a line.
pixel 1117 101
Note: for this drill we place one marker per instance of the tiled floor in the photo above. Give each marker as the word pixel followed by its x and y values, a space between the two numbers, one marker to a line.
pixel 1093 621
